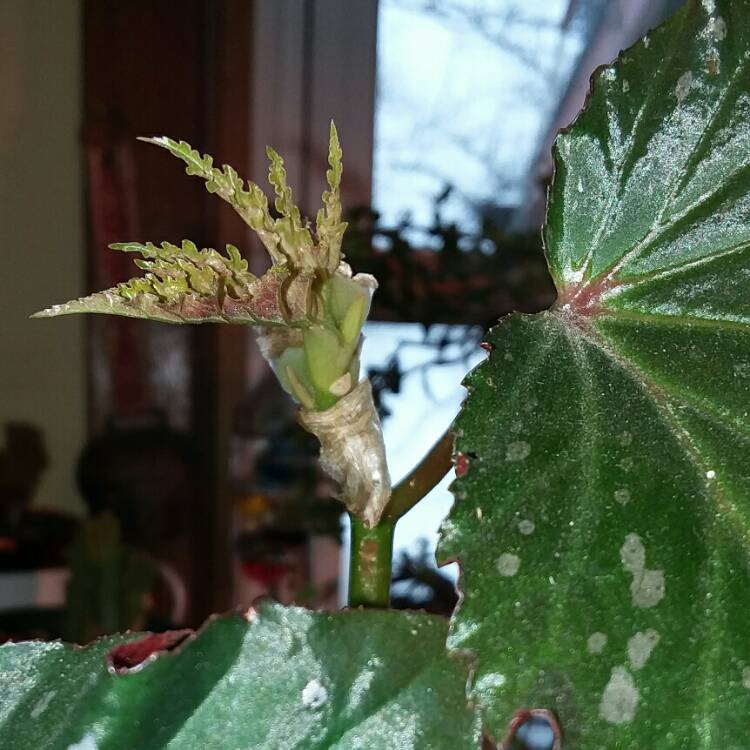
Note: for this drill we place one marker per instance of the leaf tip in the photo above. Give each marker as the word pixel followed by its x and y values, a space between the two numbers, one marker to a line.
pixel 157 140
pixel 49 312
pixel 273 155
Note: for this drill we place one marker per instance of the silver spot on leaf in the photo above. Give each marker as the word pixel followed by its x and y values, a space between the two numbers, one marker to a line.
pixel 622 496
pixel 648 586
pixel 508 564
pixel 640 647
pixel 596 643
pixel 517 451
pixel 620 697
pixel 488 683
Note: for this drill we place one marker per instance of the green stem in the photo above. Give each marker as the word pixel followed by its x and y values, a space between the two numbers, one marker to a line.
pixel 371 550
pixel 430 470
pixel 371 553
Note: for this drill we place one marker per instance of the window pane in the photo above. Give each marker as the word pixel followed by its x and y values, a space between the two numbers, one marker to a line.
pixel 465 90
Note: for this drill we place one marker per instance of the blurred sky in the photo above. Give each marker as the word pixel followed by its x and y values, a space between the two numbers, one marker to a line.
pixel 464 90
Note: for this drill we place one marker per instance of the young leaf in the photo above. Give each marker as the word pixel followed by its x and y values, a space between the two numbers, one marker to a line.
pixel 328 225
pixel 603 522
pixel 296 241
pixel 251 203
pixel 290 678
pixel 187 285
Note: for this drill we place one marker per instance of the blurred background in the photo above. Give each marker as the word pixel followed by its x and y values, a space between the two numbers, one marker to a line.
pixel 152 474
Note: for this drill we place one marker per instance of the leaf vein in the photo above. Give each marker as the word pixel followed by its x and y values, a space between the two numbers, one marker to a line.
pixel 687 265
pixel 616 189
pixel 666 411
pixel 678 179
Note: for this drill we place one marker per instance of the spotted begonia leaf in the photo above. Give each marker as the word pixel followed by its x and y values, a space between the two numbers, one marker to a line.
pixel 602 521
pixel 289 678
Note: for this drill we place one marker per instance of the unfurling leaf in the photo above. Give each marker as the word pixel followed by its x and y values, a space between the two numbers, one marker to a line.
pixel 295 238
pixel 250 203
pixel 312 308
pixel 186 285
pixel 328 225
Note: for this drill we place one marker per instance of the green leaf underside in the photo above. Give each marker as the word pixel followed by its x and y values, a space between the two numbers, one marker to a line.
pixel 289 679
pixel 603 526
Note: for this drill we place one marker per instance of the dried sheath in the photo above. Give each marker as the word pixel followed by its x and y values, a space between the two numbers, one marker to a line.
pixel 352 451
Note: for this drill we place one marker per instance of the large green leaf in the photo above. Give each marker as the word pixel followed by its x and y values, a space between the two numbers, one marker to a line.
pixel 603 524
pixel 288 679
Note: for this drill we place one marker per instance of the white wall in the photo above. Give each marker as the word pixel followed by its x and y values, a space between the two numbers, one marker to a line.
pixel 41 231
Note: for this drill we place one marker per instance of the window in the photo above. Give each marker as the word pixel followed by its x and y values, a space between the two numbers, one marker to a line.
pixel 465 89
